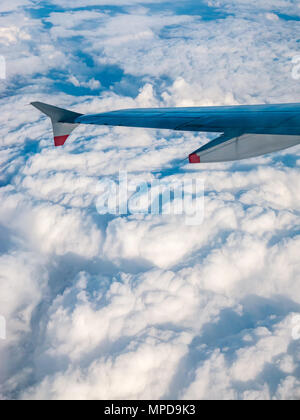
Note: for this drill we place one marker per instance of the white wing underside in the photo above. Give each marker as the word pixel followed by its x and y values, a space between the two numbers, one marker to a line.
pixel 229 148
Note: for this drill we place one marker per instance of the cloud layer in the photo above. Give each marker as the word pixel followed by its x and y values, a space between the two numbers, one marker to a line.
pixel 145 306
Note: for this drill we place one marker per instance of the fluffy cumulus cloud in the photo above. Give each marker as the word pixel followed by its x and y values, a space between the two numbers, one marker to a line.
pixel 145 306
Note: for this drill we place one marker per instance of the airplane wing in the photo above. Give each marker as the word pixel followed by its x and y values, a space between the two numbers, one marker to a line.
pixel 246 131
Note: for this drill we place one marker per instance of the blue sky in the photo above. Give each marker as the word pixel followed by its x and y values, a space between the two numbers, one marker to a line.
pixel 145 306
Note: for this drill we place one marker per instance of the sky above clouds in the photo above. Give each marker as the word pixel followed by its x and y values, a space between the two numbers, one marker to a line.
pixel 108 307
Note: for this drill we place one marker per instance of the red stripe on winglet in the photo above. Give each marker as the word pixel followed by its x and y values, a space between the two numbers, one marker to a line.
pixel 194 158
pixel 60 140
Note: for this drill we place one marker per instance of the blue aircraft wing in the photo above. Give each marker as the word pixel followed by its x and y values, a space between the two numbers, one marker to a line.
pixel 246 131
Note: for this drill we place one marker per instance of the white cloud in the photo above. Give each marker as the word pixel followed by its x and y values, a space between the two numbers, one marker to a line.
pixel 10 6
pixel 23 282
pixel 272 16
pixel 92 84
pixel 284 6
pixel 245 377
pixel 145 307
pixel 153 363
pixel 78 3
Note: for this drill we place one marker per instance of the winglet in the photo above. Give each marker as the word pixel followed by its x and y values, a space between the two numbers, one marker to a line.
pixel 63 121
pixel 60 140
